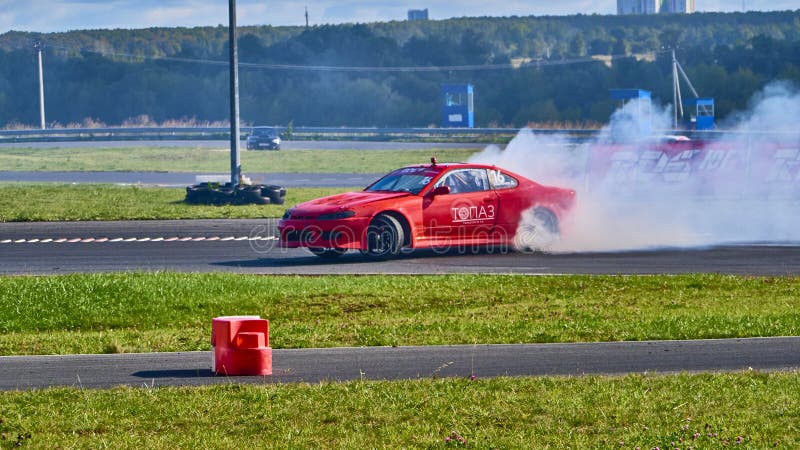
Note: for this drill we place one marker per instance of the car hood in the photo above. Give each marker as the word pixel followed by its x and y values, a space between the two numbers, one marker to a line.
pixel 344 201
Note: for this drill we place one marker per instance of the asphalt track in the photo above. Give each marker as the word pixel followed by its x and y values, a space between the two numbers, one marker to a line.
pixel 248 246
pixel 395 363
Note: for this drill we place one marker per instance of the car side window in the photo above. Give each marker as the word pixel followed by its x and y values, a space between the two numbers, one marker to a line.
pixel 502 180
pixel 465 180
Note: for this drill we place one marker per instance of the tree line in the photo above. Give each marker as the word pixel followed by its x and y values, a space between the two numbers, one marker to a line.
pixel 111 76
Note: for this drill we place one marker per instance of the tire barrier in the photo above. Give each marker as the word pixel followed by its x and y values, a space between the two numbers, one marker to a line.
pixel 224 194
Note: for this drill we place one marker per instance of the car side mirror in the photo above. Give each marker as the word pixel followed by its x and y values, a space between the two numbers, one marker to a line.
pixel 440 190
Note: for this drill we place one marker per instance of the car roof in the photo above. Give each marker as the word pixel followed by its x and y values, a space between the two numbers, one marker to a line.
pixel 451 165
pixel 441 167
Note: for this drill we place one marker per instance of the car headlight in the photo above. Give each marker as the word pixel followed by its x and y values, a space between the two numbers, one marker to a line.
pixel 277 140
pixel 287 214
pixel 336 215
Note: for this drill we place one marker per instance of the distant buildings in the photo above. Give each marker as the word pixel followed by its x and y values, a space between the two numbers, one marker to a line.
pixel 655 6
pixel 638 6
pixel 678 6
pixel 418 14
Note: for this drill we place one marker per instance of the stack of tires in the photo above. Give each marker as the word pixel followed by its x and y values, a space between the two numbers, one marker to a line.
pixel 224 194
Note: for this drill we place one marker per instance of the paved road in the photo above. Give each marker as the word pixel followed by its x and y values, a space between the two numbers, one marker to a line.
pixel 387 363
pixel 248 246
pixel 286 145
pixel 181 180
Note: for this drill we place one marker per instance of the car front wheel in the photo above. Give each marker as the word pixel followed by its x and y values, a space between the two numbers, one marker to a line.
pixel 384 237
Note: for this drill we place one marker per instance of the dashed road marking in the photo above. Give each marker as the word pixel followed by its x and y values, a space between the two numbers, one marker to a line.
pixel 105 240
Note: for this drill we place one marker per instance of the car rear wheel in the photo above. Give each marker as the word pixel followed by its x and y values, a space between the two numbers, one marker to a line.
pixel 537 231
pixel 384 237
pixel 327 253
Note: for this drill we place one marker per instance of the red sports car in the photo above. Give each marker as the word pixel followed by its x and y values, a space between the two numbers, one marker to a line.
pixel 434 205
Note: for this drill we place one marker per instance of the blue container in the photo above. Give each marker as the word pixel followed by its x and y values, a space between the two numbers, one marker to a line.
pixel 640 116
pixel 701 113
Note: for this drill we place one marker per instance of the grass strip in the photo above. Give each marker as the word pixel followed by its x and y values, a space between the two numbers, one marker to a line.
pixel 144 312
pixel 741 410
pixel 205 160
pixel 58 202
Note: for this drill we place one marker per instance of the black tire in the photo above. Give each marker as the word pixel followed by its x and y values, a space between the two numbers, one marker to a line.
pixel 547 219
pixel 538 230
pixel 327 253
pixel 250 196
pixel 198 195
pixel 192 194
pixel 385 237
pixel 276 194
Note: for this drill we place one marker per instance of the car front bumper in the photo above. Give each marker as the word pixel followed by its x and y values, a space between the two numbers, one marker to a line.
pixel 344 234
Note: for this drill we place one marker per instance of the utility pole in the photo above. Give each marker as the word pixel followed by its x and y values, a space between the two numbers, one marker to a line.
pixel 677 97
pixel 675 90
pixel 306 16
pixel 38 47
pixel 236 166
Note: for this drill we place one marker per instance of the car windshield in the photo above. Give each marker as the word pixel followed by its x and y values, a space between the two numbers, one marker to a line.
pixel 262 132
pixel 410 179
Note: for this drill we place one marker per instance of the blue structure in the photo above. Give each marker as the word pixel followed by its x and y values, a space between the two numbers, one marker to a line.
pixel 700 113
pixel 418 14
pixel 642 115
pixel 458 109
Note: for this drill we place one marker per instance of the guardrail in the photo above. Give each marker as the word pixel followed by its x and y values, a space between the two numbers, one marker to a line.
pixel 296 133
pixel 486 135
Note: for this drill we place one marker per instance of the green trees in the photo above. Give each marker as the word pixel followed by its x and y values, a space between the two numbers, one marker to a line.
pixel 113 75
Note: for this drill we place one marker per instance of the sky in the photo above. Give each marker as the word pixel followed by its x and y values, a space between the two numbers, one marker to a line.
pixel 64 15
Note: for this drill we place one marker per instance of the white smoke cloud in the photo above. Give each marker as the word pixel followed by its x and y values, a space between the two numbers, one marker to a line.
pixel 776 109
pixel 635 191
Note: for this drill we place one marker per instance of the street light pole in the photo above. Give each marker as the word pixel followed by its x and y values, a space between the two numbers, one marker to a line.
pixel 236 167
pixel 38 47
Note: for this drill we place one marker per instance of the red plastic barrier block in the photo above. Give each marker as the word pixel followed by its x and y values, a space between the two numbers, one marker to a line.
pixel 240 346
